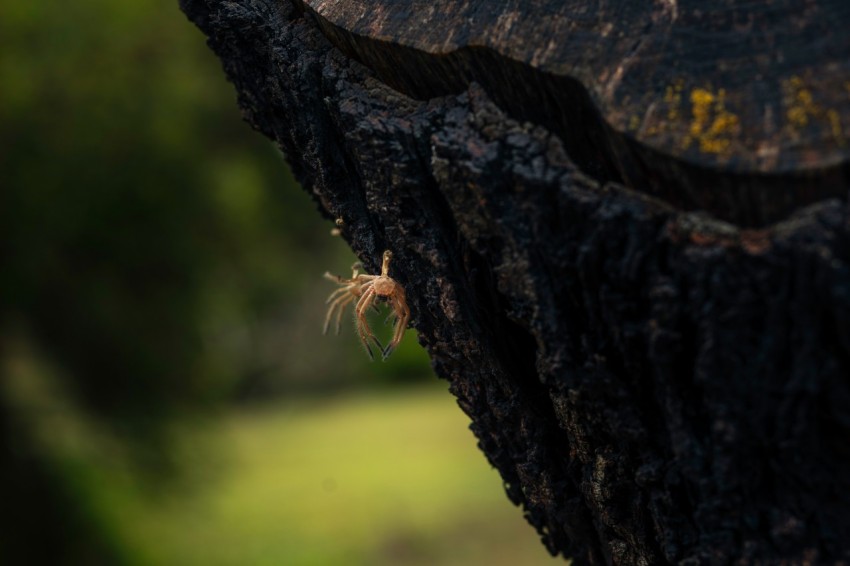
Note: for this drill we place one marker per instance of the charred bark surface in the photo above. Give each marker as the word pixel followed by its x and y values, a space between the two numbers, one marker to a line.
pixel 739 109
pixel 654 386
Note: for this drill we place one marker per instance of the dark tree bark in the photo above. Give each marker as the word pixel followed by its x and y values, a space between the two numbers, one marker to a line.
pixel 656 380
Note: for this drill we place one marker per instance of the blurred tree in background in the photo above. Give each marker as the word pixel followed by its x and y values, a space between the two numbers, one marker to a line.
pixel 166 395
pixel 156 259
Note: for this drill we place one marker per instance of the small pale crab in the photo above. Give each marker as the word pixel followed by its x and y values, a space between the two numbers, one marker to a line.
pixel 368 289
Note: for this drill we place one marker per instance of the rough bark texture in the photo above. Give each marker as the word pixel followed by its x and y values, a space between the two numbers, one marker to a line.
pixel 654 386
pixel 737 108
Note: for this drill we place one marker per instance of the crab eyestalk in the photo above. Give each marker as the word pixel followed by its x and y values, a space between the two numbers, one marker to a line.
pixel 385 266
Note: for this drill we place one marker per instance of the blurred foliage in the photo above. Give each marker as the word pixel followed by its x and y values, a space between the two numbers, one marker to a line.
pixel 166 396
pixel 156 259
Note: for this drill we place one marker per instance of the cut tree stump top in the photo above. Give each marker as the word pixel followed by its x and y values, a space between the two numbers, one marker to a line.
pixel 742 109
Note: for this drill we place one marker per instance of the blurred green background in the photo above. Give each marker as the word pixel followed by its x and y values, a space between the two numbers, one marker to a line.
pixel 166 395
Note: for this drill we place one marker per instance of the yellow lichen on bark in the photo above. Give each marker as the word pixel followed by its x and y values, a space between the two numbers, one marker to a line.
pixel 835 125
pixel 802 111
pixel 713 127
pixel 799 103
pixel 673 100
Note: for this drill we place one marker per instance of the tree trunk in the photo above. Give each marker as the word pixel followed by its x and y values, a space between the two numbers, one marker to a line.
pixel 655 382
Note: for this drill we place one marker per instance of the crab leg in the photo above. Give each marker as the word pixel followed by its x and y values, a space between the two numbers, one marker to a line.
pixel 335 295
pixel 336 278
pixel 337 305
pixel 365 302
pixel 402 314
pixel 339 312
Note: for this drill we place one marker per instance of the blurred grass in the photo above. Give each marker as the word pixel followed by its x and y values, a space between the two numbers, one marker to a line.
pixel 380 478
